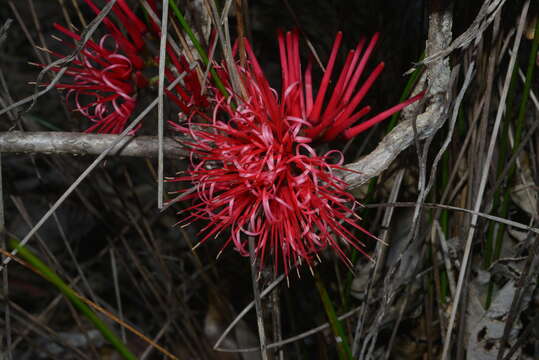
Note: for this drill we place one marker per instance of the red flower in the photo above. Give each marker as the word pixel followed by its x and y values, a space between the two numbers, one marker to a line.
pixel 255 170
pixel 106 75
pixel 187 96
pixel 327 119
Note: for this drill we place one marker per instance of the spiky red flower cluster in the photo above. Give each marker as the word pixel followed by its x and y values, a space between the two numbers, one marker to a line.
pixel 254 167
pixel 106 74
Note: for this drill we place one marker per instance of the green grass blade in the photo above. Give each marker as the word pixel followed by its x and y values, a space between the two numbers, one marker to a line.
pixel 341 339
pixel 198 46
pixel 51 276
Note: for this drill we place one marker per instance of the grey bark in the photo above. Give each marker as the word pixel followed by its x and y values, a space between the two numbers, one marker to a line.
pixel 87 144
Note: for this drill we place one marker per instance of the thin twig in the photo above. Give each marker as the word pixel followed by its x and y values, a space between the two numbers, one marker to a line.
pixel 265 292
pixel 4 29
pixel 381 250
pixel 5 282
pixel 86 172
pixel 485 16
pixel 24 28
pixel 79 13
pixel 117 291
pixel 160 105
pixel 294 338
pixel 523 284
pixel 482 185
pixel 67 17
pixel 396 326
pixel 37 325
pixel 226 47
pixel 40 36
pixel 445 255
pixel 518 150
pixel 467 80
pixel 276 317
pixel 258 301
pixel 455 208
pixel 84 37
pixel 71 253
pixel 156 338
pixel 524 337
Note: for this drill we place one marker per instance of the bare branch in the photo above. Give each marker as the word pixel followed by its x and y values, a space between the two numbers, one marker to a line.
pixel 87 144
pixel 438 75
pixel 484 18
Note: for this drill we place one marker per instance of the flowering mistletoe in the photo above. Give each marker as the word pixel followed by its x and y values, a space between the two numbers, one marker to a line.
pixel 106 74
pixel 254 167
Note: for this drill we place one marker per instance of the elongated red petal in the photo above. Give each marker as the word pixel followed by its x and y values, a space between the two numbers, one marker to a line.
pixel 314 116
pixel 354 131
